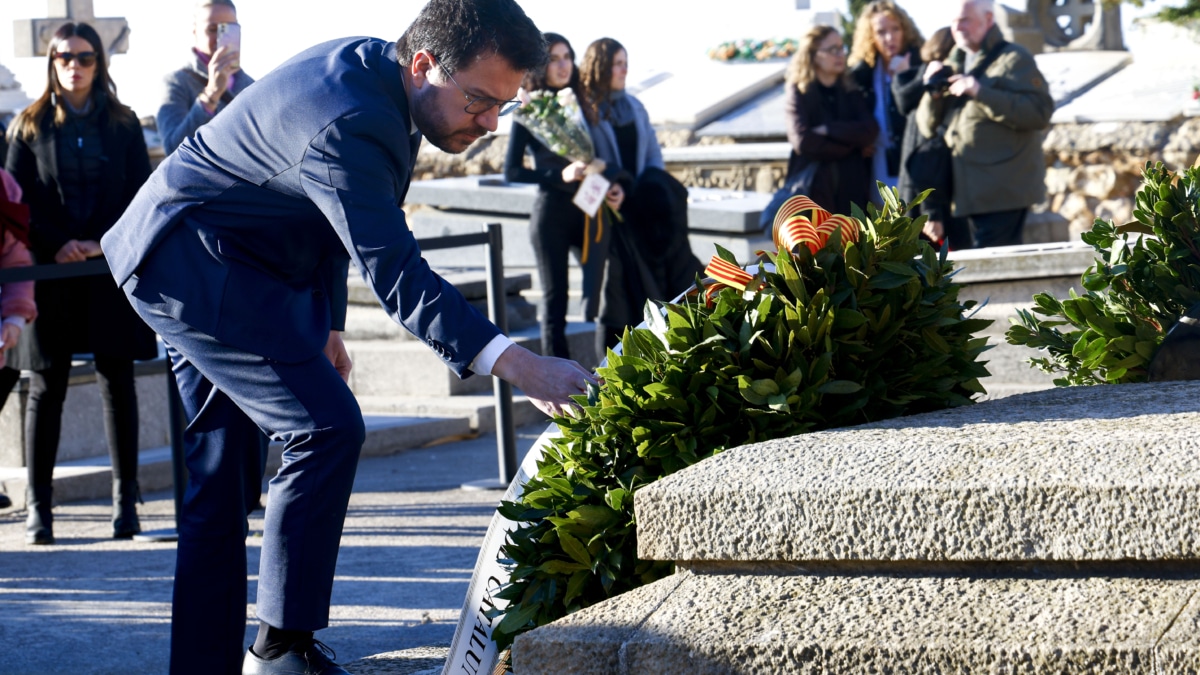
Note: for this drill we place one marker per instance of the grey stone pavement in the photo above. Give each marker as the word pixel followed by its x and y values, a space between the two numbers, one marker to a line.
pixel 92 605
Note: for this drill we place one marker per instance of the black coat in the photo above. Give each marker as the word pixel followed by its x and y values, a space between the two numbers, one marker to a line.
pixel 907 90
pixel 864 77
pixel 650 257
pixel 844 176
pixel 88 314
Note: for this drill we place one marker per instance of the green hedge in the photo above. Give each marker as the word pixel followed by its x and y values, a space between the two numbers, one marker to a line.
pixel 866 331
pixel 1134 293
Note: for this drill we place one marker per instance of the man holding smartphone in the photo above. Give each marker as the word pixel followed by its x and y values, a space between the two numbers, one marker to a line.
pixel 199 90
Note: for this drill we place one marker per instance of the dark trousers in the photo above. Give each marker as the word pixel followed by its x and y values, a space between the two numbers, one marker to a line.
pixel 556 227
pixel 8 380
pixel 228 396
pixel 43 416
pixel 983 230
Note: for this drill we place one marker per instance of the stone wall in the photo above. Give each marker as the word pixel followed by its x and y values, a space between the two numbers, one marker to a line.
pixel 1094 170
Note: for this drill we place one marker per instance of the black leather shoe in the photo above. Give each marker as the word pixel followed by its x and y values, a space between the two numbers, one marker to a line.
pixel 310 658
pixel 5 502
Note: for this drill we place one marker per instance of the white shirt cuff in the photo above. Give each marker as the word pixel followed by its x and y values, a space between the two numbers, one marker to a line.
pixel 18 321
pixel 486 358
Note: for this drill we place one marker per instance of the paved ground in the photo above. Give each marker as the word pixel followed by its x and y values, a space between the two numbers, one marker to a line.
pixel 93 605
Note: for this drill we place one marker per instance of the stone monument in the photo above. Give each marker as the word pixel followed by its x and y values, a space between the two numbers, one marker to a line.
pixel 1063 25
pixel 32 36
pixel 1049 532
pixel 12 97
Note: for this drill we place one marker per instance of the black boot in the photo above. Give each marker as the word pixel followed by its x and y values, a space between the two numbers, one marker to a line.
pixel 39 526
pixel 125 519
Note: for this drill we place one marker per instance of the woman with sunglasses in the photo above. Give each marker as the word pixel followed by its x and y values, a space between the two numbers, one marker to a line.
pixel 556 225
pixel 829 127
pixel 79 157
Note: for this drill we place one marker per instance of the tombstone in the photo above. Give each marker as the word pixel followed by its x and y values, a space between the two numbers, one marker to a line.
pixel 31 37
pixel 1063 25
pixel 12 97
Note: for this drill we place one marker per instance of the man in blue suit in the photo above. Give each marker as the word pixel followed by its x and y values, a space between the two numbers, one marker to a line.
pixel 236 253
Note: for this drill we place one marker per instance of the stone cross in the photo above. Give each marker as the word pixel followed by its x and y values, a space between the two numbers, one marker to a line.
pixel 1072 16
pixel 32 36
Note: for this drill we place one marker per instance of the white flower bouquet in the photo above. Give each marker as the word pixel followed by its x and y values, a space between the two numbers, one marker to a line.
pixel 556 121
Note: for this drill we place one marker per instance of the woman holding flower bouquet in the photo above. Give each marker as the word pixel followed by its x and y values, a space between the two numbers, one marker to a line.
pixel 556 225
pixel 649 256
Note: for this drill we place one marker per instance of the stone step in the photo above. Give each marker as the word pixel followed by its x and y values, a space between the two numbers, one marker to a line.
pixel 366 320
pixel 409 368
pixel 91 477
pixel 840 623
pixel 478 409
pixel 82 434
pixel 1077 473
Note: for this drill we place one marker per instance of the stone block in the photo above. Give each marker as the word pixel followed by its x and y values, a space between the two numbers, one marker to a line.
pixel 1074 474
pixel 1096 181
pixel 82 433
pixel 829 623
pixel 1005 264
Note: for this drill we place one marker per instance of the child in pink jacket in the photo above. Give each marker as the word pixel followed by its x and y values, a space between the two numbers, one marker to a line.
pixel 16 297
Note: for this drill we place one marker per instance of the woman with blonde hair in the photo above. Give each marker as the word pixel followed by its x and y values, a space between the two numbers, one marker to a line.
pixel 79 156
pixel 828 126
pixel 886 45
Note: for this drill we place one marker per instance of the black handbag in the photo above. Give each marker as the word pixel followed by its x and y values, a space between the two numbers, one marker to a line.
pixel 800 184
pixel 929 165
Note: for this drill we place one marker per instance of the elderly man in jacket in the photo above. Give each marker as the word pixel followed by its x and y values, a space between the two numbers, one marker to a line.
pixel 992 116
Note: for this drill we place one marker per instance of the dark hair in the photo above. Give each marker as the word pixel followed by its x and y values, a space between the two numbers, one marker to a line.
pixel 938 46
pixel 209 3
pixel 103 94
pixel 596 75
pixel 457 32
pixel 536 79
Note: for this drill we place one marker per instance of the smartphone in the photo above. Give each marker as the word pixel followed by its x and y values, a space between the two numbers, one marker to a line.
pixel 229 35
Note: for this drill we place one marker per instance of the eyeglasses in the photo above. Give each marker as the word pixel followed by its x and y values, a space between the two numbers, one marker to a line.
pixel 84 59
pixel 839 50
pixel 477 105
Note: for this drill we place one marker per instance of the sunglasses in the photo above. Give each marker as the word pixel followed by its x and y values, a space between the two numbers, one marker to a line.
pixel 84 59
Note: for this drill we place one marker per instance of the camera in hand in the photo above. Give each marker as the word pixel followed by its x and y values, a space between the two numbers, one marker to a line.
pixel 939 82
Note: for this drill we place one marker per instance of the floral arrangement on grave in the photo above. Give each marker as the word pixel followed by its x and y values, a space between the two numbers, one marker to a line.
pixel 556 121
pixel 754 50
pixel 1146 276
pixel 853 319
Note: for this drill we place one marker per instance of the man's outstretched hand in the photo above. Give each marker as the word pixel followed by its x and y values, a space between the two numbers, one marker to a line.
pixel 548 381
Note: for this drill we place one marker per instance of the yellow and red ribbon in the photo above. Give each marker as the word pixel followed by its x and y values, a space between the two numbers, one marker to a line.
pixel 799 222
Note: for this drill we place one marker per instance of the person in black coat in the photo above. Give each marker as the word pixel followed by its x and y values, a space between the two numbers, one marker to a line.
pixel 886 48
pixel 649 256
pixel 556 225
pixel 828 123
pixel 908 88
pixel 79 157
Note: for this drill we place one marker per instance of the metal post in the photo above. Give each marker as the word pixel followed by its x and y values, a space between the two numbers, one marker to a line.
pixel 506 441
pixel 176 423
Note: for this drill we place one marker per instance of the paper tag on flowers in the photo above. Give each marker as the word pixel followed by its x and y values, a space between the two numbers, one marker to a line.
pixel 591 193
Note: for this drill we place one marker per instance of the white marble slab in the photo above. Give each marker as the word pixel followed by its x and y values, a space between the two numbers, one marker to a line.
pixel 698 92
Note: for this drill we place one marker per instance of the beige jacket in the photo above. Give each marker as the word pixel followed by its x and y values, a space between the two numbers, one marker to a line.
pixel 996 137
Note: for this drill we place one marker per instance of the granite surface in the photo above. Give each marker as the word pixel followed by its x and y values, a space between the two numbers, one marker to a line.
pixel 1085 473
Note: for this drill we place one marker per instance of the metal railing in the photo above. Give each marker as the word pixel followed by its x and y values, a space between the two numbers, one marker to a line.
pixel 497 313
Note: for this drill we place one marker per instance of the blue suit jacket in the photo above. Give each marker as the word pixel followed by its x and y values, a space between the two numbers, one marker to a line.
pixel 246 231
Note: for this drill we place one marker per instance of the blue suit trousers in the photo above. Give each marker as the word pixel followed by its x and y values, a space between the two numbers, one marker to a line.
pixel 230 395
